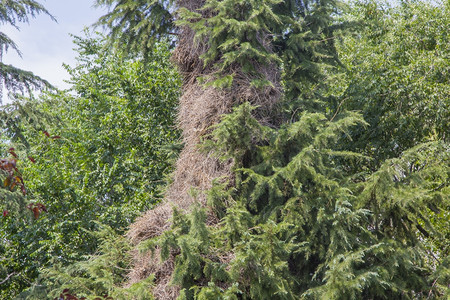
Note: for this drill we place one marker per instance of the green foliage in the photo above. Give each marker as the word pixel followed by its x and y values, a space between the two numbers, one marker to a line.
pixel 98 275
pixel 137 24
pixel 18 80
pixel 14 79
pixel 292 34
pixel 334 204
pixel 297 226
pixel 104 161
pixel 397 75
pixel 347 200
pixel 404 188
pixel 306 45
pixel 235 31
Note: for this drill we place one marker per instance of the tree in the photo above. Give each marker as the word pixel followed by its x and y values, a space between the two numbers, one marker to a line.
pixel 264 205
pixel 101 154
pixel 137 24
pixel 14 79
pixel 289 214
pixel 397 75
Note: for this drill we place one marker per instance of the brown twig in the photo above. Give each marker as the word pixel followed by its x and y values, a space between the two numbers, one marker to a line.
pixel 337 109
pixel 431 290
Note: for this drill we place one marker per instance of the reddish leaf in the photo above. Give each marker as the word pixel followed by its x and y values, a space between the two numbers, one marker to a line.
pixel 5 213
pixel 56 137
pixel 46 133
pixel 42 208
pixel 65 291
pixel 13 153
pixel 8 164
pixel 24 191
pixel 32 159
pixel 36 212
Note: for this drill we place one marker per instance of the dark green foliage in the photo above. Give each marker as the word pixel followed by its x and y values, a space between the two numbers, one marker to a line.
pixel 295 34
pixel 409 189
pixel 137 24
pixel 18 11
pixel 305 43
pixel 18 80
pixel 235 31
pixel 13 13
pixel 292 34
pixel 296 226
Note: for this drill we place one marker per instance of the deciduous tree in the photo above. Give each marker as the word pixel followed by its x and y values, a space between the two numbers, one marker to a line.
pixel 100 154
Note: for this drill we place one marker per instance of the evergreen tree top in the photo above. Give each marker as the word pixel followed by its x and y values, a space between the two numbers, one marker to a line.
pixel 13 12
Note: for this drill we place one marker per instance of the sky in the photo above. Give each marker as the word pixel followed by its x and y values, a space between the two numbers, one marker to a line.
pixel 45 44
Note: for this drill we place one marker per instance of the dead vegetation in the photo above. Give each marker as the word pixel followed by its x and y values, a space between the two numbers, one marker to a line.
pixel 200 107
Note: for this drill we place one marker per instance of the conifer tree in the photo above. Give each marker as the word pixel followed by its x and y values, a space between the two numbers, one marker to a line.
pixel 268 207
pixel 12 78
pixel 137 24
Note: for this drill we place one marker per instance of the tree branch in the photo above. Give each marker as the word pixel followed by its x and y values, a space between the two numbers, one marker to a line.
pixel 7 278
